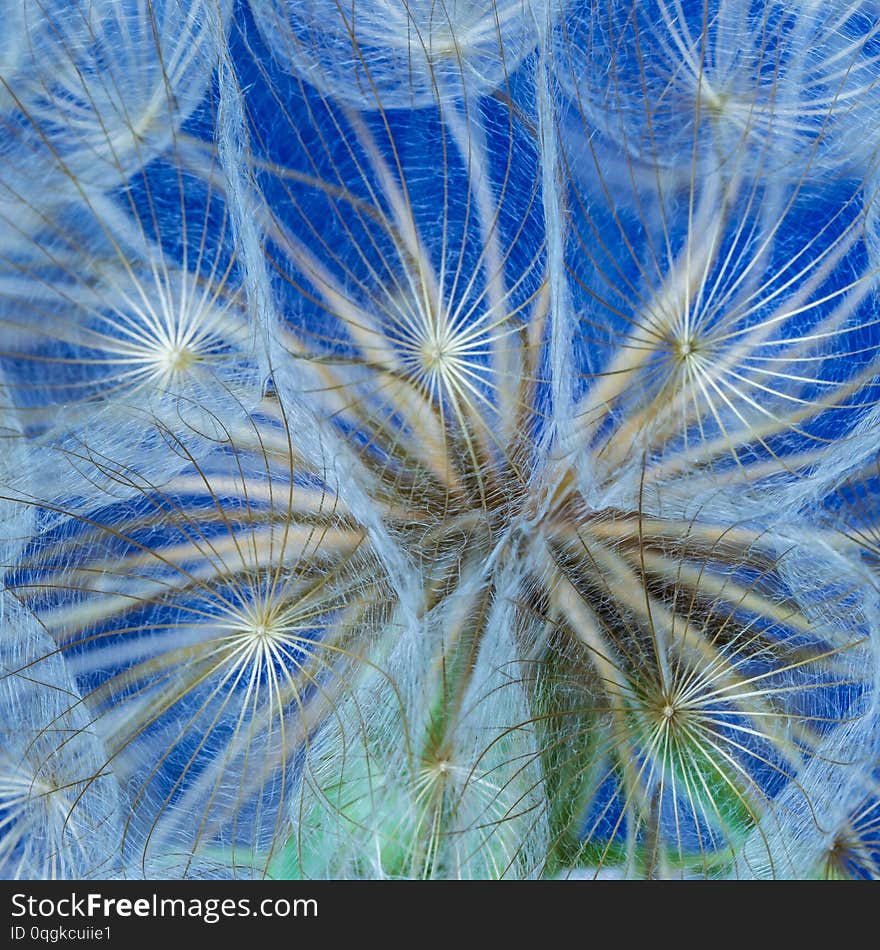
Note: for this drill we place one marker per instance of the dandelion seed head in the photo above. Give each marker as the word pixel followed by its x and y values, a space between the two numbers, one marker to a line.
pixel 401 54
pixel 58 799
pixel 853 849
pixel 108 85
pixel 760 82
pixel 118 323
pixel 237 622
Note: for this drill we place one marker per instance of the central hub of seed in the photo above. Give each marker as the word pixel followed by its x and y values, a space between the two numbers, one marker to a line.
pixel 435 354
pixel 685 348
pixel 177 358
pixel 261 631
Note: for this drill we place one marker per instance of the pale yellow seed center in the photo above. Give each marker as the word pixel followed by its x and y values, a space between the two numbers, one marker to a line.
pixel 177 359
